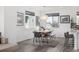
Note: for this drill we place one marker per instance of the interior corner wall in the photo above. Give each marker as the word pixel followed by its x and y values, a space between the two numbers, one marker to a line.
pixel 2 20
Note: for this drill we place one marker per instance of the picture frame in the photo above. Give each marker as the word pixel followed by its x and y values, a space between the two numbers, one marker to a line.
pixel 64 19
pixel 20 19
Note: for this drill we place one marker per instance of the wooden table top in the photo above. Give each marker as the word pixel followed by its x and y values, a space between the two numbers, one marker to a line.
pixel 44 31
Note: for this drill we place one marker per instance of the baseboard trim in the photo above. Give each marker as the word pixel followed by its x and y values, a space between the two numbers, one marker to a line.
pixel 24 40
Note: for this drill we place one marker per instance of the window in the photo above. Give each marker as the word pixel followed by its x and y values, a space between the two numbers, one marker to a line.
pixel 29 19
pixel 77 20
pixel 53 20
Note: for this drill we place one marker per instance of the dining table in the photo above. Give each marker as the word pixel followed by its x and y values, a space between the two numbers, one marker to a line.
pixel 43 36
pixel 44 32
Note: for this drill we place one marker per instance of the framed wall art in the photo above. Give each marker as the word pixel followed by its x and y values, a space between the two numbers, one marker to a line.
pixel 20 19
pixel 64 19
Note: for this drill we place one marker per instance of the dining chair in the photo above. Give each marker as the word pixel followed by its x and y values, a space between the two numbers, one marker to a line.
pixel 69 40
pixel 66 39
pixel 0 37
pixel 37 37
pixel 53 35
pixel 46 37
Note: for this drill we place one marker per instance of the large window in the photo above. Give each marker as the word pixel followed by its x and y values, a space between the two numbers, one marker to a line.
pixel 29 19
pixel 77 20
pixel 53 20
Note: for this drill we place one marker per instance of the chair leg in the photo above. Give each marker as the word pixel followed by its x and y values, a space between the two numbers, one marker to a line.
pixel 42 40
pixel 33 40
pixel 36 39
pixel 48 40
pixel 66 42
pixel 39 41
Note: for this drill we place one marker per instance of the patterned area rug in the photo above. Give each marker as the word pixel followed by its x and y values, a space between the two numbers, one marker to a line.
pixel 30 47
pixel 44 47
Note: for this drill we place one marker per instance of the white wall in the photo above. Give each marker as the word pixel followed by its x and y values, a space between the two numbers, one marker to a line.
pixel 10 23
pixel 2 20
pixel 22 32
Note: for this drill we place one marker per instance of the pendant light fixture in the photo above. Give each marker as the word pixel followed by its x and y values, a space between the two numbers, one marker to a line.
pixel 43 17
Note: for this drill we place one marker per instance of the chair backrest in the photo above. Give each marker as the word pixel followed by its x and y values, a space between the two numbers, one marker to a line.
pixel 0 37
pixel 37 34
pixel 66 34
pixel 0 34
pixel 48 33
